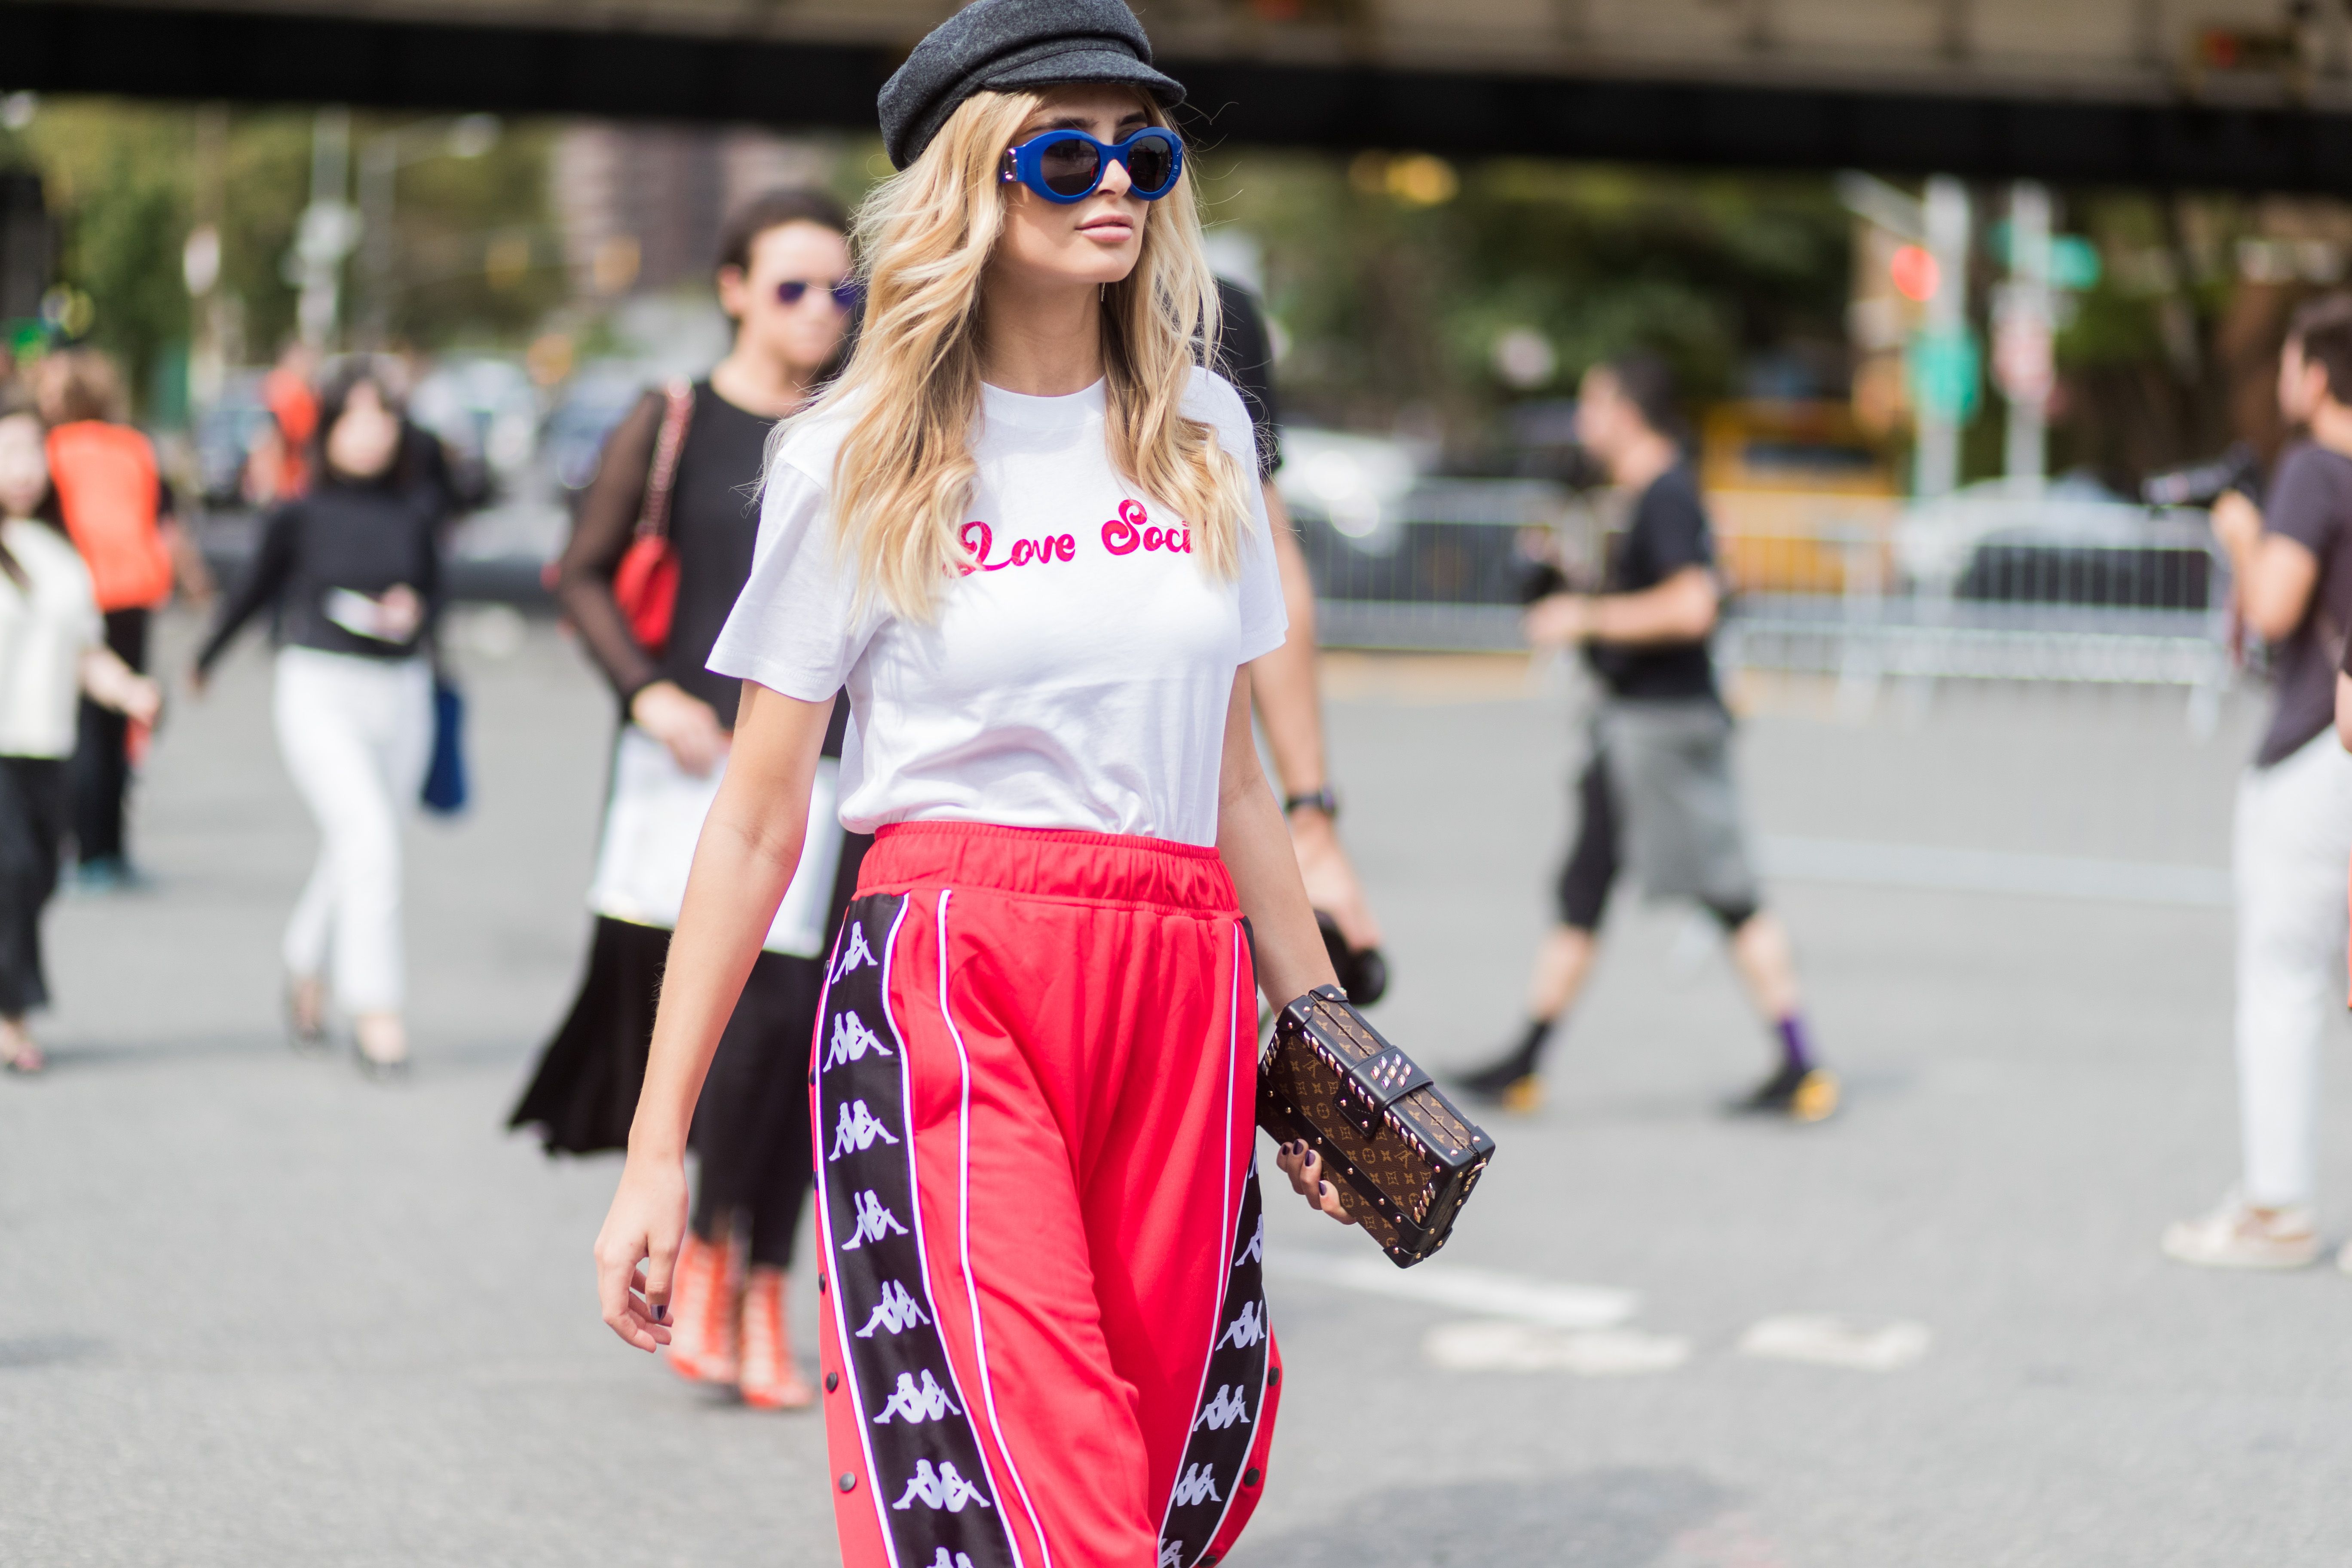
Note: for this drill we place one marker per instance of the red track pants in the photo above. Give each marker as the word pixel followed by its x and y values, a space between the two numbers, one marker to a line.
pixel 1034 1086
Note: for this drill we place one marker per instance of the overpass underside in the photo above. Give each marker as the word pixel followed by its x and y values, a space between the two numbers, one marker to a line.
pixel 2147 92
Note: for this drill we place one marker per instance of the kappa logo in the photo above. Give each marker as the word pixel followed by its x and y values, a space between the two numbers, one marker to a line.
pixel 1171 1554
pixel 856 1130
pixel 854 953
pixel 851 1040
pixel 1223 1411
pixel 914 1404
pixel 942 1488
pixel 1247 1328
pixel 1197 1486
pixel 944 1561
pixel 874 1222
pixel 1255 1251
pixel 895 1313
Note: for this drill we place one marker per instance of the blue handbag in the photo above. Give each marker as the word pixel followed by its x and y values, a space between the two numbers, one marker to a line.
pixel 445 780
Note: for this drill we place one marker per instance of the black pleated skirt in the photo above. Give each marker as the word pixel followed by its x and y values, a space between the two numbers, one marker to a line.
pixel 584 1094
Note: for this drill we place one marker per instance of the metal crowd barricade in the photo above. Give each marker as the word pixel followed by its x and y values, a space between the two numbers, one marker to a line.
pixel 1984 585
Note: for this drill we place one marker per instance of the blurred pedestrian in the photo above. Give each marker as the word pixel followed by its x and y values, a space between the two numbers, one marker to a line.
pixel 52 652
pixel 2291 573
pixel 117 508
pixel 1657 794
pixel 684 467
pixel 278 465
pixel 1284 684
pixel 351 572
pixel 1025 531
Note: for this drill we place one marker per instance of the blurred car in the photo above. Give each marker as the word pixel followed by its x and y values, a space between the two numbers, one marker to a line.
pixel 2070 544
pixel 1376 526
pixel 486 411
pixel 1799 497
pixel 225 435
pixel 596 399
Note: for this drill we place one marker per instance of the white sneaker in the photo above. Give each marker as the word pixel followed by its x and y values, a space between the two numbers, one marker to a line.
pixel 2240 1235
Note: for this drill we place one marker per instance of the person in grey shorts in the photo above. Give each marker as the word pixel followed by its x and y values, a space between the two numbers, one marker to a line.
pixel 1657 795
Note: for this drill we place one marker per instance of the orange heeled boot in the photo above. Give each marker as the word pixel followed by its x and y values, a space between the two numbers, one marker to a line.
pixel 704 1290
pixel 771 1379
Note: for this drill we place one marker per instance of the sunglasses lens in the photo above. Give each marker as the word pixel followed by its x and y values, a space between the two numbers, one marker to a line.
pixel 791 293
pixel 1151 165
pixel 1070 168
pixel 847 295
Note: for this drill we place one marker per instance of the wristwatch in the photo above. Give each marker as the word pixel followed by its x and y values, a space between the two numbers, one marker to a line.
pixel 1322 800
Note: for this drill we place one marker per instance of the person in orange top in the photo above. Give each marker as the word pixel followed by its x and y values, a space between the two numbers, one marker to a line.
pixel 115 505
pixel 278 471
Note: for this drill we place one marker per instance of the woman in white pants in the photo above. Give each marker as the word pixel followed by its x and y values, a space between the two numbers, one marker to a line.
pixel 352 570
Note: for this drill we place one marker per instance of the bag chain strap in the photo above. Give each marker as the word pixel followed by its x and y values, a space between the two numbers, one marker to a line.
pixel 653 521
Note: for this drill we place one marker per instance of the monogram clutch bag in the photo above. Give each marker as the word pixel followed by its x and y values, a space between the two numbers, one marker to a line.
pixel 1408 1156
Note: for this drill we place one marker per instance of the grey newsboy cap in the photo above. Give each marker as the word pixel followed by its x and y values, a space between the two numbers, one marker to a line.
pixel 1005 45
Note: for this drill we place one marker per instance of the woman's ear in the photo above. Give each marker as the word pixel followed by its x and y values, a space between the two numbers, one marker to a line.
pixel 732 283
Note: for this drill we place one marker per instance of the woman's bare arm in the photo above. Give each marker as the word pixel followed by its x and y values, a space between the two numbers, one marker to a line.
pixel 749 847
pixel 1291 958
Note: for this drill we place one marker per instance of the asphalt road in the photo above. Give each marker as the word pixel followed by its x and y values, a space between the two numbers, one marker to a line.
pixel 259 1312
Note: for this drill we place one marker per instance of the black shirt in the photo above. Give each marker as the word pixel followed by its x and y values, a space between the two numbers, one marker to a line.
pixel 1668 532
pixel 2311 503
pixel 714 524
pixel 1244 356
pixel 362 538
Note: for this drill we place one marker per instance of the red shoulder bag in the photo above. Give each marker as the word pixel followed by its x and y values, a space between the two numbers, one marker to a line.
pixel 645 584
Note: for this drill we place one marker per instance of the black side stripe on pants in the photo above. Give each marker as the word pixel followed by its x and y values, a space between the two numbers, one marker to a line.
pixel 1232 1396
pixel 932 1487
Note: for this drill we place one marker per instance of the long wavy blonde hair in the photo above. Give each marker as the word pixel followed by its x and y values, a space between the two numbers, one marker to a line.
pixel 904 472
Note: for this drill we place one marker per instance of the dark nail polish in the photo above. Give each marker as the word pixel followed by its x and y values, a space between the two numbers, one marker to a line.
pixel 1250 1477
pixel 661 1314
pixel 832 1380
pixel 847 1483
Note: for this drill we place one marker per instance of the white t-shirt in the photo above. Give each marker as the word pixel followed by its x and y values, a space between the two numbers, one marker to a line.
pixel 46 627
pixel 1077 678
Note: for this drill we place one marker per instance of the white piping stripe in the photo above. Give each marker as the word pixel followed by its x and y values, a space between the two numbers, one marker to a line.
pixel 972 1292
pixel 1225 1226
pixel 825 1226
pixel 922 1253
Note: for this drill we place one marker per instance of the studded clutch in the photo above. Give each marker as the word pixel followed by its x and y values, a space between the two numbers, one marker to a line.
pixel 1378 1123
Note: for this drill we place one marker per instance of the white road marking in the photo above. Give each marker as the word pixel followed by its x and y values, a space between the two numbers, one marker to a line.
pixel 1486 1345
pixel 1464 1288
pixel 1935 869
pixel 1824 1341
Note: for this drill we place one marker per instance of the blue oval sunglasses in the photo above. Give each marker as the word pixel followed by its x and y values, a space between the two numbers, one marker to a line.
pixel 1067 167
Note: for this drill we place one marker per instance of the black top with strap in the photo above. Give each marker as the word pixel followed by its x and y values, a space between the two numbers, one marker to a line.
pixel 714 522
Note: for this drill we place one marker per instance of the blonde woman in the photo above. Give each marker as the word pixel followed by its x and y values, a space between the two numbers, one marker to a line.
pixel 1022 530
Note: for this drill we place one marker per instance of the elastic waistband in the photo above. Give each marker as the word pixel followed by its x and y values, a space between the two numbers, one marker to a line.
pixel 1048 863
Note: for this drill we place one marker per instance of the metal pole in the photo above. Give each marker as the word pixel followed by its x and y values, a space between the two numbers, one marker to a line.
pixel 2023 352
pixel 324 238
pixel 379 163
pixel 1938 457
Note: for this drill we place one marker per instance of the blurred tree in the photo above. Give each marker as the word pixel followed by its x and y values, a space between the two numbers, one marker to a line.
pixel 475 255
pixel 115 180
pixel 1396 277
